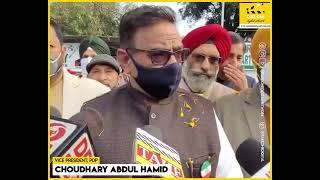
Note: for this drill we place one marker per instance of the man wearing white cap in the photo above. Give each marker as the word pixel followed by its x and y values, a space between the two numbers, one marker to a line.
pixel 105 69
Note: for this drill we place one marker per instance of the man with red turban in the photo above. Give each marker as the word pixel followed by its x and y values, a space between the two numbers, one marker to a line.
pixel 209 47
pixel 247 114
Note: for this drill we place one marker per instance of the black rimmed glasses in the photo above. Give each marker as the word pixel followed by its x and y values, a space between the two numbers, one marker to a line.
pixel 161 57
pixel 200 58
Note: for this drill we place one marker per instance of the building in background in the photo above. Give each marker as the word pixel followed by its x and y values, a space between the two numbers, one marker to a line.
pixel 72 44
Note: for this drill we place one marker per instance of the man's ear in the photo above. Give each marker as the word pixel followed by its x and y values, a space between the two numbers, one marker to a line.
pixel 123 60
pixel 64 48
pixel 119 79
pixel 63 54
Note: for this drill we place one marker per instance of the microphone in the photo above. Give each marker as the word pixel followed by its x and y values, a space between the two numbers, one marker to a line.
pixel 54 112
pixel 154 131
pixel 149 149
pixel 254 158
pixel 68 138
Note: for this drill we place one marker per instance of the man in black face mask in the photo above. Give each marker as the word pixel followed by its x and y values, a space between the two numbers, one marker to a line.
pixel 68 92
pixel 152 51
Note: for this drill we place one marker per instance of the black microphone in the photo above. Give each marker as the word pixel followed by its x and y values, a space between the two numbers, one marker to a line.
pixel 254 158
pixel 154 131
pixel 54 112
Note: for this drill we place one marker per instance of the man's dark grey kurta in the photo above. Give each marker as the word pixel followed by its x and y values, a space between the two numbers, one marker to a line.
pixel 113 118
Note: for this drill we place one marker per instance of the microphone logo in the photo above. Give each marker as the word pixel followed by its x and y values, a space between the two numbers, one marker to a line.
pixel 57 131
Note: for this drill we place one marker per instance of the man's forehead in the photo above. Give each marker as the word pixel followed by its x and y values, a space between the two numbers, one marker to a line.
pixel 238 46
pixel 89 50
pixel 167 39
pixel 104 66
pixel 53 35
pixel 170 35
pixel 165 35
pixel 208 49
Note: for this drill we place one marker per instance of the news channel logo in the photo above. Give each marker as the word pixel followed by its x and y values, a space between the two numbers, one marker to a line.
pixel 255 15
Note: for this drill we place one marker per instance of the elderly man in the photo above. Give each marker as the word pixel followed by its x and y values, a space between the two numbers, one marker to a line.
pixel 89 48
pixel 231 73
pixel 68 92
pixel 240 114
pixel 151 49
pixel 105 69
pixel 210 46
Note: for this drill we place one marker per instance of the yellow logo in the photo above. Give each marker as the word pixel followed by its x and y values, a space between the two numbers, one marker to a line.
pixel 255 15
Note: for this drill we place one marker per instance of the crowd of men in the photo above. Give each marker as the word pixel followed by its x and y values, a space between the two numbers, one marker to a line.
pixel 193 89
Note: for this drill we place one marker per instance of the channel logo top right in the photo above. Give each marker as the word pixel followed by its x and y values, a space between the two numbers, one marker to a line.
pixel 255 15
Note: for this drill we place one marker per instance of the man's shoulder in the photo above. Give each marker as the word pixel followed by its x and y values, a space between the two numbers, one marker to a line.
pixel 103 99
pixel 229 106
pixel 90 84
pixel 225 90
pixel 243 98
pixel 251 81
pixel 84 83
pixel 230 99
pixel 250 78
pixel 217 90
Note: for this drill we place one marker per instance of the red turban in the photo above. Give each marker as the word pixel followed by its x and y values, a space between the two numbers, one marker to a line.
pixel 219 36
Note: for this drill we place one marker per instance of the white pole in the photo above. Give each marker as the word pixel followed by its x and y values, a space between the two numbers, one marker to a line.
pixel 222 14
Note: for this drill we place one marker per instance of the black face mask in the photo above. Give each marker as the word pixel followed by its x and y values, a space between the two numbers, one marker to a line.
pixel 159 82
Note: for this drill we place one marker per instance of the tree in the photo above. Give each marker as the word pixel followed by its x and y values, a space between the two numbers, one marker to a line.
pixel 92 18
pixel 211 11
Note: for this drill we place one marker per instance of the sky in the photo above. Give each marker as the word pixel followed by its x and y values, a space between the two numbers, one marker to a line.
pixel 183 26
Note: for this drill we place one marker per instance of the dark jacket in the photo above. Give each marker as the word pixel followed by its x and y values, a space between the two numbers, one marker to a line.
pixel 113 118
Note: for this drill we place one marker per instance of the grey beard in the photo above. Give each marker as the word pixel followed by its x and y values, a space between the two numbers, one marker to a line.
pixel 197 82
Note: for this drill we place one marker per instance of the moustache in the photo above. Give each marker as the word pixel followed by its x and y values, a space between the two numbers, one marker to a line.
pixel 197 73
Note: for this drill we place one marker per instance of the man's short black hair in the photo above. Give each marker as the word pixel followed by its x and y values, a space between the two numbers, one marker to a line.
pixel 141 17
pixel 57 29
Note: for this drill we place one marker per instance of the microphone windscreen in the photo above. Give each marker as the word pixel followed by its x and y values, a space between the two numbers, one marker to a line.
pixel 55 112
pixel 252 156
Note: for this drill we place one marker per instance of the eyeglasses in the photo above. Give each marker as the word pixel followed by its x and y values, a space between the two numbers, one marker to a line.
pixel 161 57
pixel 212 59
